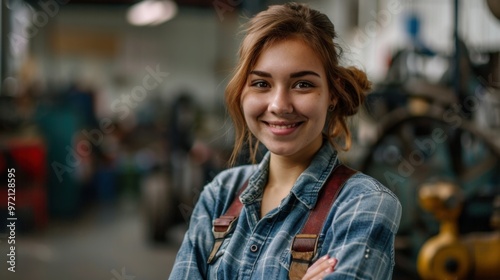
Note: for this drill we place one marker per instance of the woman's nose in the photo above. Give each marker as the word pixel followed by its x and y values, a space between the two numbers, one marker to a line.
pixel 281 102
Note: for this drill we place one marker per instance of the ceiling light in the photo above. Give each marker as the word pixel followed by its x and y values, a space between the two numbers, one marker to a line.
pixel 151 12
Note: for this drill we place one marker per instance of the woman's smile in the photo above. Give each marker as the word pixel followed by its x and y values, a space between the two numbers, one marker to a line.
pixel 282 128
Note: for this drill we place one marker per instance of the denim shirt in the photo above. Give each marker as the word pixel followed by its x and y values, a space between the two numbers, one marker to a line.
pixel 359 230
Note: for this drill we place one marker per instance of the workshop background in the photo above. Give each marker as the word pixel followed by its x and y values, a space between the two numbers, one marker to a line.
pixel 112 115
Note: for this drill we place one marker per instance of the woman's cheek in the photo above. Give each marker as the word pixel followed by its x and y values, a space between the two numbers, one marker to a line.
pixel 253 106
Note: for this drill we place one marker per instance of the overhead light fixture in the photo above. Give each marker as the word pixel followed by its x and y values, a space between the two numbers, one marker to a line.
pixel 151 12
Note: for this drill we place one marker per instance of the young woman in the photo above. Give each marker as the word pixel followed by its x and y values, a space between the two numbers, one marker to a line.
pixel 289 93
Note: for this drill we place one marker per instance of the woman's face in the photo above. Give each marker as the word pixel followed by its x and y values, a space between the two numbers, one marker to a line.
pixel 286 98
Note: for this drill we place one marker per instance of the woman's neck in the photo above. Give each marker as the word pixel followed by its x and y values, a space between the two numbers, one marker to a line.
pixel 283 172
pixel 282 176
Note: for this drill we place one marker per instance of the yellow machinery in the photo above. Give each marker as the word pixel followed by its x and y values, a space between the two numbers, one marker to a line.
pixel 449 255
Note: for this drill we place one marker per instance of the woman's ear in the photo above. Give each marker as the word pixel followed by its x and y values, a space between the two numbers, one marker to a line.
pixel 332 104
pixel 333 100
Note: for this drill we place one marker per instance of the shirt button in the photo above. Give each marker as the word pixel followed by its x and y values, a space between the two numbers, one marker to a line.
pixel 254 248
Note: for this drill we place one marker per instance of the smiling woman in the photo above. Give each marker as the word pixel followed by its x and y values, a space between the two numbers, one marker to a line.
pixel 285 103
pixel 270 220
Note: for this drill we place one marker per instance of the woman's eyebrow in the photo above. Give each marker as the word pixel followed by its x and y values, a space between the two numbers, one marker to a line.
pixel 304 73
pixel 292 75
pixel 260 73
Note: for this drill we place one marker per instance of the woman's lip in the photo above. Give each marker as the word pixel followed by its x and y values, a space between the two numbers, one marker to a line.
pixel 281 128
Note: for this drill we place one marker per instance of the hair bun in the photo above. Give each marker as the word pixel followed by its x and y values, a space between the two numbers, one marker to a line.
pixel 354 86
pixel 360 76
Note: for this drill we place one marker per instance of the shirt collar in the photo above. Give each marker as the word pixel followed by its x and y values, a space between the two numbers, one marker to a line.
pixel 308 184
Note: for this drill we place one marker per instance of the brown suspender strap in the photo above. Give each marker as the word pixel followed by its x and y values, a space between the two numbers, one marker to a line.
pixel 305 244
pixel 223 225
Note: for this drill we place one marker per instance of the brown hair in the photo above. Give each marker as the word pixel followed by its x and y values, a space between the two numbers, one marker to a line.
pixel 279 22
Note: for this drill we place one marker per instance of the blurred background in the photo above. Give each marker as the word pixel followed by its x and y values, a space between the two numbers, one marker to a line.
pixel 112 115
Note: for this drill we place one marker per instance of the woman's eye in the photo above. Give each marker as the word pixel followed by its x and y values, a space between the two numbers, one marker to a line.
pixel 303 85
pixel 259 84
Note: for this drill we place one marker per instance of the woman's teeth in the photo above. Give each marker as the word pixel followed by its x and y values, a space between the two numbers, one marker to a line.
pixel 282 126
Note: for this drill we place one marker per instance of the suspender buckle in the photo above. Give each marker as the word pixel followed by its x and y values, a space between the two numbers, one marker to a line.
pixel 303 251
pixel 222 226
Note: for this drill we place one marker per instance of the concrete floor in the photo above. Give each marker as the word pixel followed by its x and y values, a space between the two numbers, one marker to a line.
pixel 104 243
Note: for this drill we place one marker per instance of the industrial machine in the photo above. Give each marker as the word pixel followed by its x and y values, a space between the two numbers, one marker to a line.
pixel 450 255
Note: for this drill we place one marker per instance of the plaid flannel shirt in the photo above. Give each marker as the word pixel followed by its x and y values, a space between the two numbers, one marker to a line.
pixel 359 230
